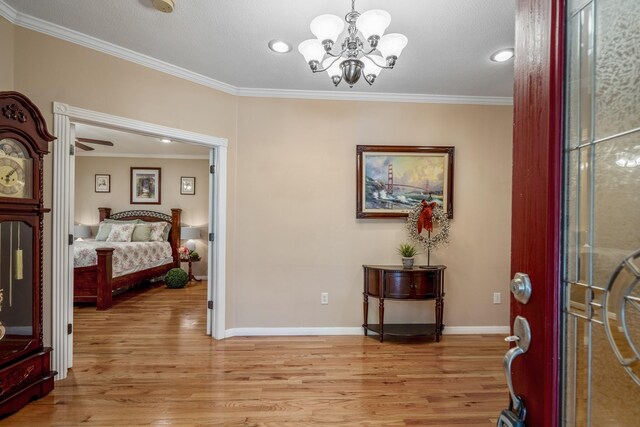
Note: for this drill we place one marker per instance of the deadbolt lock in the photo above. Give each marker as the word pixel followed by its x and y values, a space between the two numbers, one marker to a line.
pixel 521 287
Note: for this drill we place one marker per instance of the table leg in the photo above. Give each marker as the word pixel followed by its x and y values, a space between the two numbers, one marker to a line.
pixel 191 276
pixel 381 315
pixel 365 308
pixel 439 311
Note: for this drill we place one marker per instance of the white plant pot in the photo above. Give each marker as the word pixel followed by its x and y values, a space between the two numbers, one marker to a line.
pixel 407 262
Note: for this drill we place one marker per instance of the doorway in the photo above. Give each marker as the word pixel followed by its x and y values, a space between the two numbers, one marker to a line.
pixel 62 270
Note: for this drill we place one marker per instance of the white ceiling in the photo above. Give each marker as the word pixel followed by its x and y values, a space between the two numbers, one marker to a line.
pixel 127 144
pixel 226 40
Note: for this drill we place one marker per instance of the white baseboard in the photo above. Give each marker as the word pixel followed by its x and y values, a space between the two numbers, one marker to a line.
pixel 356 330
pixel 476 330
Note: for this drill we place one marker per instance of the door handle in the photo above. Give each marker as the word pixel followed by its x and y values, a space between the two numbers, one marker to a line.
pixel 522 337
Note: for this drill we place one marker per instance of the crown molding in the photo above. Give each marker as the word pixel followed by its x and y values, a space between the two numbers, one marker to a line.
pixel 57 31
pixel 7 12
pixel 60 32
pixel 375 96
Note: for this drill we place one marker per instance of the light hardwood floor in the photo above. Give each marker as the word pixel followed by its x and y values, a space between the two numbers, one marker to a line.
pixel 148 361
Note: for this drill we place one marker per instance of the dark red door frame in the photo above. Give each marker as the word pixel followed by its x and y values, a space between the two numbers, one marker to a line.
pixel 537 202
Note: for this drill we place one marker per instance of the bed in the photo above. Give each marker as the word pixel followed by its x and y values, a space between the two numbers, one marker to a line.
pixel 106 267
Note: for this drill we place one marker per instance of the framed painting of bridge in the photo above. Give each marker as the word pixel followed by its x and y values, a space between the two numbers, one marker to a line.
pixel 391 179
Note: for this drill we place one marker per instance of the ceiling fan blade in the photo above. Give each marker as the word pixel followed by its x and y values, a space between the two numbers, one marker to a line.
pixel 95 141
pixel 84 147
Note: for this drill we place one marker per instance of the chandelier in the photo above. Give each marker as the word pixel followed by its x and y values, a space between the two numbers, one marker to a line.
pixel 355 59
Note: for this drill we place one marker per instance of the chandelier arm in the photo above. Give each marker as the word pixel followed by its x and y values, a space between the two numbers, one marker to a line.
pixel 384 67
pixel 329 66
pixel 339 55
pixel 373 49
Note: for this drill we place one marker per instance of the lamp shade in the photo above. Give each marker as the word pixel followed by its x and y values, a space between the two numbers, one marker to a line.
pixel 81 231
pixel 312 50
pixel 327 27
pixel 371 64
pixel 392 45
pixel 189 233
pixel 373 23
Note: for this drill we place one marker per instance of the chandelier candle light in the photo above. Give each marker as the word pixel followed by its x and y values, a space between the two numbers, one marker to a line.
pixel 355 59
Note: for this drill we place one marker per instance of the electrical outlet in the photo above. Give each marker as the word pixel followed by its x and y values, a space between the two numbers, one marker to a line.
pixel 324 298
pixel 496 297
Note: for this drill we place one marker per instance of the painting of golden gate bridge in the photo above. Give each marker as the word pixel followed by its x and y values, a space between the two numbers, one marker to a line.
pixel 394 181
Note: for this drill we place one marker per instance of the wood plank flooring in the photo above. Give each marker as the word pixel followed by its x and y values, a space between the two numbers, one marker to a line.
pixel 148 361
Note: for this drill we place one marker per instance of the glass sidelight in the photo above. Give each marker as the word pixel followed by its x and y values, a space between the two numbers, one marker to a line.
pixel 601 275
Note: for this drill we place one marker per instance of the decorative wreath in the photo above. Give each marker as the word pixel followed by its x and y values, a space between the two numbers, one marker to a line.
pixel 421 217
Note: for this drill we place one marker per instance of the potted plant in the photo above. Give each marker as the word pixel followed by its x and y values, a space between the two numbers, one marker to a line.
pixel 176 278
pixel 407 252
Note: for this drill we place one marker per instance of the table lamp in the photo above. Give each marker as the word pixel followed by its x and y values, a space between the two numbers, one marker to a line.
pixel 189 234
pixel 81 231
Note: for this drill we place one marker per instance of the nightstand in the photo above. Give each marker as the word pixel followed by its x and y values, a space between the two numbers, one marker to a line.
pixel 190 261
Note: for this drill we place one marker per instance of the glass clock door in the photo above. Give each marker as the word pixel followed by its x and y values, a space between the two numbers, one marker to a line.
pixel 16 288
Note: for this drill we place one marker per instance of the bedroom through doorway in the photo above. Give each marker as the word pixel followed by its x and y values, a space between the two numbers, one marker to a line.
pixel 103 161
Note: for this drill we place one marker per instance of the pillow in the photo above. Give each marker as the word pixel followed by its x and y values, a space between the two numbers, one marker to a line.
pixel 141 233
pixel 120 232
pixel 165 235
pixel 157 231
pixel 103 231
pixel 118 221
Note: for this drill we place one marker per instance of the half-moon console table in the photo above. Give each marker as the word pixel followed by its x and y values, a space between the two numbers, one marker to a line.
pixel 420 283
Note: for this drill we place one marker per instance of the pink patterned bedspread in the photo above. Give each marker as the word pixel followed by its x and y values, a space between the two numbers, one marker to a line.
pixel 127 256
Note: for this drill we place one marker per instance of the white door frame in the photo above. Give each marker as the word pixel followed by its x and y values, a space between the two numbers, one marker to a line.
pixel 63 194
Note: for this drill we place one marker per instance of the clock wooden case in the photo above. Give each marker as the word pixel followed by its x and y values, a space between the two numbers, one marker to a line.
pixel 25 372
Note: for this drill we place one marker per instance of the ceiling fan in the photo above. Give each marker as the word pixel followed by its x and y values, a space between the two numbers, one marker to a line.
pixel 81 143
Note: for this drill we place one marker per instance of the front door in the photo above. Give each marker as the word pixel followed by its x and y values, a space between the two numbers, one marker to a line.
pixel 576 204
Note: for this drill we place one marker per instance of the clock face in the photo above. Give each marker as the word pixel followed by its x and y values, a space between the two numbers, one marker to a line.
pixel 15 170
pixel 12 177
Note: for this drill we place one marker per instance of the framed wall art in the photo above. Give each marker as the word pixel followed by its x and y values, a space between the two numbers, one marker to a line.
pixel 187 185
pixel 145 186
pixel 103 183
pixel 393 179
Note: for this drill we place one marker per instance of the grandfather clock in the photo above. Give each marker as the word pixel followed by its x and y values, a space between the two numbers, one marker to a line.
pixel 25 372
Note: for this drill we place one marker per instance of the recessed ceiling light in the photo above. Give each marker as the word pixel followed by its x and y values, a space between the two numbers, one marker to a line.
pixel 165 140
pixel 279 46
pixel 502 55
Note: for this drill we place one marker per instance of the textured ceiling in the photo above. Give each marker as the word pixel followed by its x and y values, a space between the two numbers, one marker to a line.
pixel 448 52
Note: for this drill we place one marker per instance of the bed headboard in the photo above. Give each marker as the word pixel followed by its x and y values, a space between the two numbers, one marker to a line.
pixel 151 216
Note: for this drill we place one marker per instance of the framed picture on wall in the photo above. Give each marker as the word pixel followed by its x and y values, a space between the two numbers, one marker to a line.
pixel 103 183
pixel 145 186
pixel 188 185
pixel 393 179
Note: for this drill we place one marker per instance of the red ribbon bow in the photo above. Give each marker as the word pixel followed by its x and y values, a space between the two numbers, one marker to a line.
pixel 425 220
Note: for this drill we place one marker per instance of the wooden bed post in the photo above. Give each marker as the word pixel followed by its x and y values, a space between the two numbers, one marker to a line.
pixel 104 213
pixel 174 237
pixel 104 299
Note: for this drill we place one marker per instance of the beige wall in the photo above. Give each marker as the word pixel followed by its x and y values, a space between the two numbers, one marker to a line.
pixel 292 231
pixel 6 53
pixel 48 70
pixel 297 234
pixel 194 207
